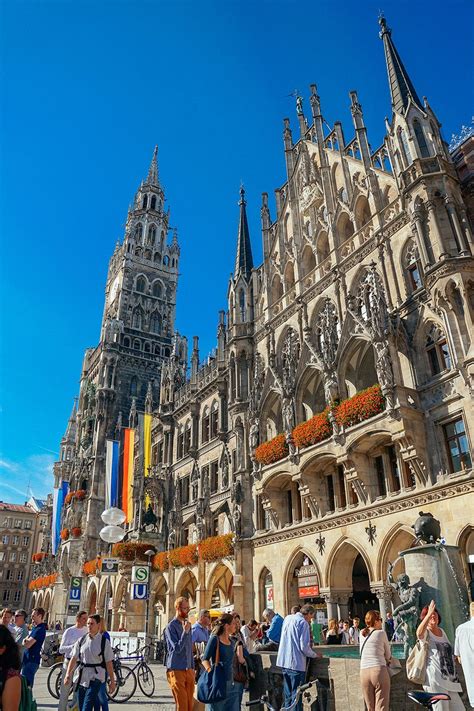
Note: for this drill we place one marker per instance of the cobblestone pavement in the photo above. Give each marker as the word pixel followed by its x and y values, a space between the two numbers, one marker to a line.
pixel 161 700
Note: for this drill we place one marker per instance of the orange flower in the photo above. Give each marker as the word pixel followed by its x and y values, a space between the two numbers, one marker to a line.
pixel 90 567
pixel 272 451
pixel 132 550
pixel 64 534
pixel 360 407
pixel 312 431
pixel 160 561
pixel 216 547
pixel 76 532
pixel 183 556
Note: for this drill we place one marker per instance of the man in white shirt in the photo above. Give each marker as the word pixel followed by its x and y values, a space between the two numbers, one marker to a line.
pixel 20 630
pixel 94 657
pixel 69 639
pixel 354 631
pixel 464 651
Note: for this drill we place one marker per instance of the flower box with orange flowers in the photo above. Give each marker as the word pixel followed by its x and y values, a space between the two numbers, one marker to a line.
pixel 272 451
pixel 76 532
pixel 64 535
pixel 160 561
pixel 216 547
pixel 132 550
pixel 183 556
pixel 363 405
pixel 91 566
pixel 38 557
pixel 43 582
pixel 313 430
pixel 79 495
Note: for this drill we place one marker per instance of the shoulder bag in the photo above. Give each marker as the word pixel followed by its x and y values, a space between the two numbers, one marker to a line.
pixel 417 661
pixel 211 686
pixel 239 670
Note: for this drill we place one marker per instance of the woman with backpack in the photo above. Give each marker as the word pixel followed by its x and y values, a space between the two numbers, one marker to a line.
pixel 10 680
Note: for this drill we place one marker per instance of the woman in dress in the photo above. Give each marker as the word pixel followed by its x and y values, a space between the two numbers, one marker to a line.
pixel 375 655
pixel 225 627
pixel 10 681
pixel 332 635
pixel 441 674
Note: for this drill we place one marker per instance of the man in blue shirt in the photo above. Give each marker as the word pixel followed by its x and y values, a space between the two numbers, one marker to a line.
pixel 200 629
pixel 294 649
pixel 271 639
pixel 179 656
pixel 33 643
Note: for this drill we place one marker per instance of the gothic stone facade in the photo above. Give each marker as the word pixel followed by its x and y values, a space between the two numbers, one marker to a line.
pixel 367 278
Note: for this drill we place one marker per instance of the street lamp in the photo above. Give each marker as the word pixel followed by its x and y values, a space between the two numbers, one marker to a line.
pixel 111 533
pixel 149 553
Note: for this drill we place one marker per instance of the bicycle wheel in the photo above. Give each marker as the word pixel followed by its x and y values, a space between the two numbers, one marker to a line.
pixel 54 680
pixel 125 685
pixel 146 680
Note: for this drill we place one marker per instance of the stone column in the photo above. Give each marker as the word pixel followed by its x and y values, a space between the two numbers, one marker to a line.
pixel 395 280
pixel 331 603
pixel 417 227
pixel 437 240
pixel 384 275
pixel 460 236
pixel 384 595
pixel 343 607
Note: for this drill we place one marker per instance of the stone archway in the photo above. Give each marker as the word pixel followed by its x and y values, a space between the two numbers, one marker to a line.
pixel 398 539
pixel 265 592
pixel 186 586
pixel 158 601
pixel 466 547
pixel 220 587
pixel 302 581
pixel 350 577
pixel 91 600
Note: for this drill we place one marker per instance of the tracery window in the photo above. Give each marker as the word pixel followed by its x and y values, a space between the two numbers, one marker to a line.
pixel 141 284
pixel 412 267
pixel 138 233
pixel 437 350
pixel 137 318
pixel 420 139
pixel 151 234
pixel 153 202
pixel 155 322
pixel 404 147
pixel 145 201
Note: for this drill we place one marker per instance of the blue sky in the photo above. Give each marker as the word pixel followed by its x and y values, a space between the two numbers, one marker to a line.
pixel 86 91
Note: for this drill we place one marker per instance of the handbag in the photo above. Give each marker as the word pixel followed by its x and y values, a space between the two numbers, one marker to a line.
pixel 212 686
pixel 394 666
pixel 417 661
pixel 239 670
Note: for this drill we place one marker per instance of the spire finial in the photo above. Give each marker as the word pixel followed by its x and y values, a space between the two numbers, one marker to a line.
pixel 243 259
pixel 401 87
pixel 152 177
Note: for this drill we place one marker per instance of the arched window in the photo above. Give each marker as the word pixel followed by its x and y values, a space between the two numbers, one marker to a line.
pixel 126 342
pixel 363 214
pixel 205 426
pixel 137 345
pixel 137 318
pixel 145 201
pixel 322 247
pixel 308 261
pixel 437 350
pixel 404 147
pixel 289 277
pixel 134 386
pixel 151 234
pixel 157 257
pixel 157 289
pixel 147 347
pixel 242 308
pixel 147 254
pixel 141 284
pixel 138 233
pixel 214 420
pixel 277 288
pixel 412 268
pixel 420 139
pixel 166 260
pixel 153 202
pixel 345 227
pixel 155 322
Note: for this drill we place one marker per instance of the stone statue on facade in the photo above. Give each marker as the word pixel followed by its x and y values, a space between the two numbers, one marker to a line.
pixel 407 614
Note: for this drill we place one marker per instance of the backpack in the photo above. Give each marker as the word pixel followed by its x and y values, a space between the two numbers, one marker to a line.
pixel 102 650
pixel 27 702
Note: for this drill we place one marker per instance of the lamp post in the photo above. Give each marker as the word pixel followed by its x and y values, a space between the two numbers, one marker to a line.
pixel 111 533
pixel 149 553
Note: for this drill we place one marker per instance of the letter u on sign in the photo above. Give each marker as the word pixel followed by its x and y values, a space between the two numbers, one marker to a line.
pixel 139 591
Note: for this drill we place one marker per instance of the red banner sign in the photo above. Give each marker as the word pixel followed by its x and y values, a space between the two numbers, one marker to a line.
pixel 310 591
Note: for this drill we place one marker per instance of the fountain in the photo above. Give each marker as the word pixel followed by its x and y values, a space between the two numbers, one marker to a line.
pixel 433 571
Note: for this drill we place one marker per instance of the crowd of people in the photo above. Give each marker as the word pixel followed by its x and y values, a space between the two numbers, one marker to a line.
pixel 85 646
pixel 193 650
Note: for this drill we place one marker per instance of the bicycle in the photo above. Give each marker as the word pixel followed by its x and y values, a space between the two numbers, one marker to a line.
pixel 126 676
pixel 426 699
pixel 300 691
pixel 54 679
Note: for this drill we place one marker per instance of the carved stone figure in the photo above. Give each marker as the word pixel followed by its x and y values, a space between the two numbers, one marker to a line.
pixel 427 528
pixel 406 615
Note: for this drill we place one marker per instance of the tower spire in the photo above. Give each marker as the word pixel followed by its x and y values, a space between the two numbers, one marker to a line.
pixel 401 88
pixel 152 177
pixel 243 259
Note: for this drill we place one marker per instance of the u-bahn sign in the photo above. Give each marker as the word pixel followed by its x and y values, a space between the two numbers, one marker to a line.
pixel 139 591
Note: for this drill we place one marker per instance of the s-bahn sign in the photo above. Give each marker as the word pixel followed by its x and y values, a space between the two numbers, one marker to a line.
pixel 140 574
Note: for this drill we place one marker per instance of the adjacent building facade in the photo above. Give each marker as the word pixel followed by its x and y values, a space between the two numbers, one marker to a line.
pixel 291 464
pixel 22 530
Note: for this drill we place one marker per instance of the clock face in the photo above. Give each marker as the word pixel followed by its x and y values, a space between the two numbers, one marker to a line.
pixel 114 289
